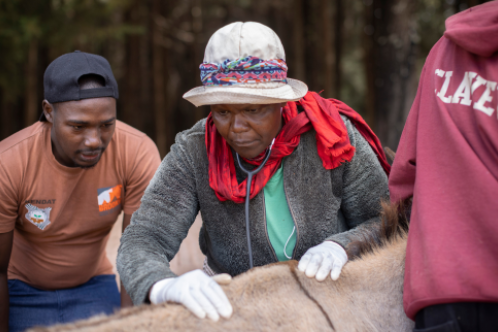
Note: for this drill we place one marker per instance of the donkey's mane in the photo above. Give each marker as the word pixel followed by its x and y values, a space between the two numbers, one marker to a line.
pixel 394 224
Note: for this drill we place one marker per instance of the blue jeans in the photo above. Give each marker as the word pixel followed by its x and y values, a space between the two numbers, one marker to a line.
pixel 30 306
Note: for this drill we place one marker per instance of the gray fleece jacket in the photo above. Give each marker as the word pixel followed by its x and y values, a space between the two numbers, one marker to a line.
pixel 339 205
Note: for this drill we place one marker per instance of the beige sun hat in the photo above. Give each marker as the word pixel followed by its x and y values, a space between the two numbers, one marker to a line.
pixel 229 52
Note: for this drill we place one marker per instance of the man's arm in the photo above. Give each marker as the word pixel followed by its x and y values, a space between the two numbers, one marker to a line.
pixel 5 249
pixel 125 298
pixel 9 179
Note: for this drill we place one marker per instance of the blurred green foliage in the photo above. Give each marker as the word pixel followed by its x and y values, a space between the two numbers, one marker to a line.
pixel 129 32
pixel 59 26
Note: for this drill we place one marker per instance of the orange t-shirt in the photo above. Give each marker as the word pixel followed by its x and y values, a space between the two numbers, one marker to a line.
pixel 62 216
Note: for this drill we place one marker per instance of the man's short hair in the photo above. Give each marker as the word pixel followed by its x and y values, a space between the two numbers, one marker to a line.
pixel 91 81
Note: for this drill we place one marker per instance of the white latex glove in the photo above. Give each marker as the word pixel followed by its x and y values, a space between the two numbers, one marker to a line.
pixel 196 291
pixel 327 257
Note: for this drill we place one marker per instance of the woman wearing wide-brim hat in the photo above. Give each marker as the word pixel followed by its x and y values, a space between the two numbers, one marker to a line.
pixel 319 190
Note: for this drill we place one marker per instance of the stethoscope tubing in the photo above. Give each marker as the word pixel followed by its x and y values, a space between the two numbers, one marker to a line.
pixel 250 174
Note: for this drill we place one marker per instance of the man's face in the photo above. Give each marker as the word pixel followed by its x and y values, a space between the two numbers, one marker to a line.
pixel 248 129
pixel 81 130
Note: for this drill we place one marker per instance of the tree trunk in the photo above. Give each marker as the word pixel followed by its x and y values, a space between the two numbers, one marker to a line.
pixel 131 98
pixel 328 51
pixel 196 12
pixel 138 109
pixel 392 53
pixel 31 102
pixel 298 68
pixel 158 74
pixel 146 110
pixel 339 22
pixel 368 61
pixel 5 117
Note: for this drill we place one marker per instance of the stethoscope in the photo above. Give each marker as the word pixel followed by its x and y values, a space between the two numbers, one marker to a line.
pixel 250 174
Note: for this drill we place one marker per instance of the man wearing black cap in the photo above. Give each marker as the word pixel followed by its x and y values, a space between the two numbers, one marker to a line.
pixel 64 181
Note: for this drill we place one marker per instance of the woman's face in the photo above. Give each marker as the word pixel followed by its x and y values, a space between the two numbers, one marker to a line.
pixel 248 128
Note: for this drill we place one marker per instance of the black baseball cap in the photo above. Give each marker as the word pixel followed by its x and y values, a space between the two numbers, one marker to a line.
pixel 60 81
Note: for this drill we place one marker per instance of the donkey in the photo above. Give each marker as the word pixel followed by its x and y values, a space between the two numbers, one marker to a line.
pixel 278 297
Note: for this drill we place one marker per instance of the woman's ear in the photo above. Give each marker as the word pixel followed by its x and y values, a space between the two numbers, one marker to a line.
pixel 48 111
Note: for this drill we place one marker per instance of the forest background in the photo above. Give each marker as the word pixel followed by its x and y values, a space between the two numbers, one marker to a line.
pixel 367 53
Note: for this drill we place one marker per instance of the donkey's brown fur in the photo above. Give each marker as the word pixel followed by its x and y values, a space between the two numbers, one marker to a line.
pixel 278 297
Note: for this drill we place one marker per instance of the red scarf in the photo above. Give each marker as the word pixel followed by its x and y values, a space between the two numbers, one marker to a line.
pixel 332 142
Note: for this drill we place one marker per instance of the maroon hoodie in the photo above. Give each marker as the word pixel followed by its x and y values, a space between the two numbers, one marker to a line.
pixel 447 160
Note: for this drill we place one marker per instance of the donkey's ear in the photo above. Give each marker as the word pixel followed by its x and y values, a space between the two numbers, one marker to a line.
pixel 390 154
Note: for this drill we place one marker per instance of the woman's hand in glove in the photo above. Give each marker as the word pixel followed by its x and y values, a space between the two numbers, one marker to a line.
pixel 196 291
pixel 327 257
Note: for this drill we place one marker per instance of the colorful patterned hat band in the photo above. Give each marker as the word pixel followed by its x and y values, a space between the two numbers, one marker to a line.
pixel 243 71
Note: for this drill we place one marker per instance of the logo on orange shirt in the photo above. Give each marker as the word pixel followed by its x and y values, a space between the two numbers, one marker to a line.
pixel 37 216
pixel 109 198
